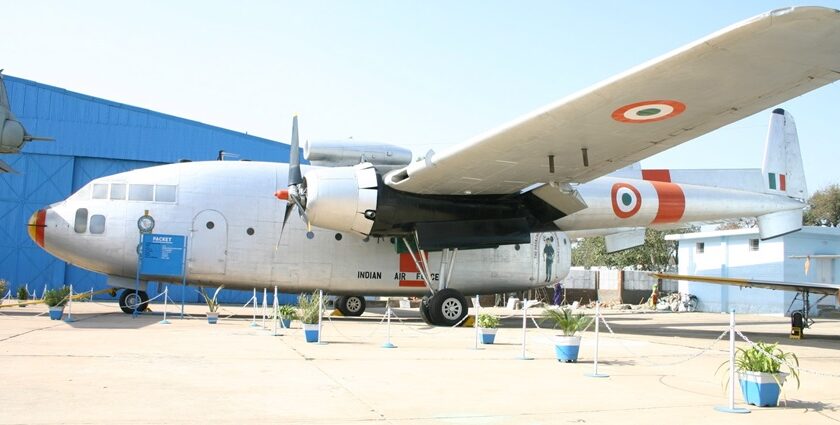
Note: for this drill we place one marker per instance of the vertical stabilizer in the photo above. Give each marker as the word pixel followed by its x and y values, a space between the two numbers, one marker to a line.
pixel 782 168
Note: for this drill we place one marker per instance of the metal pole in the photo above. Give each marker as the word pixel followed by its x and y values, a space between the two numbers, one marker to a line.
pixel 70 307
pixel 524 328
pixel 388 343
pixel 264 306
pixel 731 407
pixel 165 304
pixel 477 331
pixel 254 316
pixel 595 373
pixel 274 313
pixel 320 312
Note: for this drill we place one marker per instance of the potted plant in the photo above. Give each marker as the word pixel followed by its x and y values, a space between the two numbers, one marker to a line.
pixel 287 313
pixel 22 294
pixel 309 306
pixel 760 373
pixel 567 346
pixel 56 299
pixel 212 305
pixel 487 327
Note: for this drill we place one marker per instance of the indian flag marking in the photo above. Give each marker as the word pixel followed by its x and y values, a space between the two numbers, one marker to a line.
pixel 626 200
pixel 648 111
pixel 777 181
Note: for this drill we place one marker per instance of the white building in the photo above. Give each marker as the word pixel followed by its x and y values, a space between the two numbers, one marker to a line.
pixel 741 254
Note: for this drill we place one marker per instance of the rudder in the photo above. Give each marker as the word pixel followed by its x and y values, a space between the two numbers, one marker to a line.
pixel 782 168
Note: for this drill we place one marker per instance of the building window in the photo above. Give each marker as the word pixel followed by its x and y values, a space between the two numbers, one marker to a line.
pixel 754 244
pixel 80 225
pixel 700 247
pixel 164 193
pixel 97 224
pixel 118 191
pixel 141 192
pixel 100 191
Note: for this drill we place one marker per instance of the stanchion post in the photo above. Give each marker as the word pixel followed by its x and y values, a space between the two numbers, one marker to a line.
pixel 595 373
pixel 165 304
pixel 731 407
pixel 70 318
pixel 254 315
pixel 524 355
pixel 264 305
pixel 475 324
pixel 274 312
pixel 320 314
pixel 387 343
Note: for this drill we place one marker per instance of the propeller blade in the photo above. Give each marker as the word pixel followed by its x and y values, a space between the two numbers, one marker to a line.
pixel 289 207
pixel 294 156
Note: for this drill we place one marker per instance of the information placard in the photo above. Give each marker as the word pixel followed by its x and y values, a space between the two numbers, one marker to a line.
pixel 162 255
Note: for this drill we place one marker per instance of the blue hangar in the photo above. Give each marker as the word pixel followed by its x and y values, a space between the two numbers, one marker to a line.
pixel 94 138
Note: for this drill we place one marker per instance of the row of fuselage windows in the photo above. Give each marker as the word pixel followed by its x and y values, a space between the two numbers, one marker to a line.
pixel 134 192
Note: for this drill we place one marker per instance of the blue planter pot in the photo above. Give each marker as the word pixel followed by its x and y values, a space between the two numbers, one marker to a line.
pixel 286 323
pixel 56 313
pixel 488 335
pixel 212 318
pixel 566 348
pixel 761 389
pixel 310 332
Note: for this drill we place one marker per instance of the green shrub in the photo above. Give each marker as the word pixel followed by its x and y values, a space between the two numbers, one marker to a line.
pixel 757 358
pixel 309 307
pixel 22 293
pixel 57 297
pixel 4 286
pixel 287 312
pixel 212 303
pixel 488 321
pixel 567 322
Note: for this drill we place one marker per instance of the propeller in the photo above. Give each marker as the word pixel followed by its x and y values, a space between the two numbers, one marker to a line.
pixel 295 195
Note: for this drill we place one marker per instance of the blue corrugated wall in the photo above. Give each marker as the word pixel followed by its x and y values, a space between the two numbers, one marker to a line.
pixel 93 138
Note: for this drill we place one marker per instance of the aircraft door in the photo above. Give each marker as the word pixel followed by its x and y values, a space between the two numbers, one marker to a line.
pixel 208 243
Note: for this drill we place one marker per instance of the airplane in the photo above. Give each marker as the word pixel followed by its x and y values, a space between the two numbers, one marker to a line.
pixel 372 221
pixel 12 133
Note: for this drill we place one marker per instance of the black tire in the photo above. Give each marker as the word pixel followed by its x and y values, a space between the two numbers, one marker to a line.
pixel 692 303
pixel 448 307
pixel 424 311
pixel 127 300
pixel 351 305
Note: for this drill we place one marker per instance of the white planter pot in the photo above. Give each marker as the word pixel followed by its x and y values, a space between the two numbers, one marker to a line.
pixel 566 348
pixel 488 335
pixel 566 340
pixel 763 378
pixel 213 317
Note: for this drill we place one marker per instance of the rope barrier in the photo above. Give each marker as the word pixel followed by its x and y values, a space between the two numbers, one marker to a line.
pixel 784 362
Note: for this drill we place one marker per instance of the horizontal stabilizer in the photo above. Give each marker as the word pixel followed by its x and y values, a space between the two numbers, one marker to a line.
pixel 779 223
pixel 812 287
pixel 625 240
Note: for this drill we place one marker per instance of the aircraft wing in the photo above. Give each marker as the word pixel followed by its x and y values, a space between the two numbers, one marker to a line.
pixel 813 287
pixel 729 75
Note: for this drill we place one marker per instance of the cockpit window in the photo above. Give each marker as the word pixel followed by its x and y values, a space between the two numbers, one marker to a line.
pixel 80 225
pixel 97 224
pixel 141 192
pixel 118 191
pixel 164 193
pixel 100 191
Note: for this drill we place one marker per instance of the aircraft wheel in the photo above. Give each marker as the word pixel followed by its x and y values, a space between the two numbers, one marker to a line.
pixel 129 298
pixel 352 305
pixel 424 311
pixel 448 307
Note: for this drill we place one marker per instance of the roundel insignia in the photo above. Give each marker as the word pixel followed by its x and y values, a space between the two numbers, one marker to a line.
pixel 626 200
pixel 648 111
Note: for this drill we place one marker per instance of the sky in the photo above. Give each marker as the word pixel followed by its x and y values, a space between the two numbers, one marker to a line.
pixel 421 74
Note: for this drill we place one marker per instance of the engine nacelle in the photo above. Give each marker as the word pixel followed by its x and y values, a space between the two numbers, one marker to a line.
pixel 11 136
pixel 342 198
pixel 347 153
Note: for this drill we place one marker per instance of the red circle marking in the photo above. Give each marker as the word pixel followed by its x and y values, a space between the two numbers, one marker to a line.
pixel 618 114
pixel 616 210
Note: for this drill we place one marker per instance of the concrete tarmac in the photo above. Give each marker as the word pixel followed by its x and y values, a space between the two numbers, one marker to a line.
pixel 110 368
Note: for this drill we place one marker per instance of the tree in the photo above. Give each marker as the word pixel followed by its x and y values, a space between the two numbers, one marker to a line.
pixel 824 207
pixel 656 254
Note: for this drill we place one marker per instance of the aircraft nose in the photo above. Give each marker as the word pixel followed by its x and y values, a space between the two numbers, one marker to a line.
pixel 37 224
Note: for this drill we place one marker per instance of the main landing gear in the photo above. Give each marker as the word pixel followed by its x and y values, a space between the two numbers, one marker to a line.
pixel 131 298
pixel 446 306
pixel 351 305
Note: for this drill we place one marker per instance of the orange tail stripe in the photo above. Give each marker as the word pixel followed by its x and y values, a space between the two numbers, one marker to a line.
pixel 657 175
pixel 671 202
